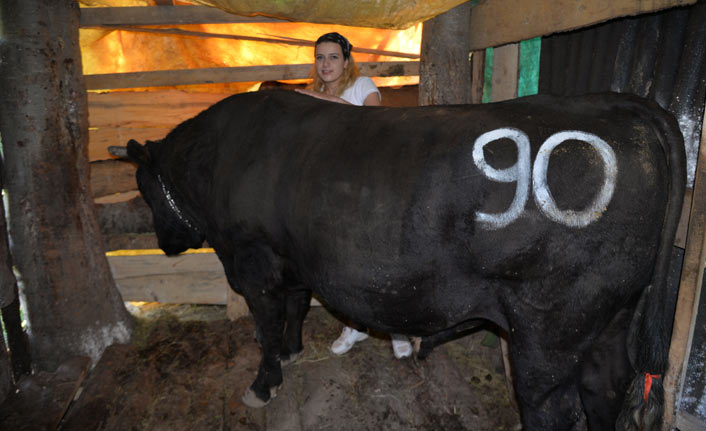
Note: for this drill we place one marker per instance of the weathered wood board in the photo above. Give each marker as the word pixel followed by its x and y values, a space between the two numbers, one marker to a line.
pixel 692 404
pixel 114 118
pixel 506 61
pixel 192 278
pixel 498 22
pixel 112 176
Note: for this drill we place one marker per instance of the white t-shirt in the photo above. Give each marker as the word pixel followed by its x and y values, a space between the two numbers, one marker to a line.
pixel 361 88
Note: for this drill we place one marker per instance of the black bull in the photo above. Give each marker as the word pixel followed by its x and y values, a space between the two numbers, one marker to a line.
pixel 552 218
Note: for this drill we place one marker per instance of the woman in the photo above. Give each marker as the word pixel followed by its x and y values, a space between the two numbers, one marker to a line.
pixel 336 78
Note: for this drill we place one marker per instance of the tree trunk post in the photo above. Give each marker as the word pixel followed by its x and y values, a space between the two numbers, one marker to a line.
pixel 445 64
pixel 73 307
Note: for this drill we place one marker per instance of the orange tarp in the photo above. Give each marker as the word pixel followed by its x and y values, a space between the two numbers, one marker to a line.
pixel 120 51
pixel 393 14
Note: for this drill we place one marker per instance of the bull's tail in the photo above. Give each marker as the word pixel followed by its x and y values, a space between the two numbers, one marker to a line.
pixel 650 329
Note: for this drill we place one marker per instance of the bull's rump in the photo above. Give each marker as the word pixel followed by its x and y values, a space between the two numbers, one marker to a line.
pixel 379 206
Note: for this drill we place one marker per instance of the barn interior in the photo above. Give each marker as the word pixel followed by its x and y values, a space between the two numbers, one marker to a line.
pixel 148 65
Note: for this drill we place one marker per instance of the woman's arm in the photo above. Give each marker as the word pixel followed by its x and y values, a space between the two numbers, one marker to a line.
pixel 372 99
pixel 322 96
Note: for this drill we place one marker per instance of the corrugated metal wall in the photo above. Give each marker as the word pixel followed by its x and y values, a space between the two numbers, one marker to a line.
pixel 661 56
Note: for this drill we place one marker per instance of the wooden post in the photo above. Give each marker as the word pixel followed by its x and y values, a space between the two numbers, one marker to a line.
pixel 689 290
pixel 445 67
pixel 73 307
pixel 477 75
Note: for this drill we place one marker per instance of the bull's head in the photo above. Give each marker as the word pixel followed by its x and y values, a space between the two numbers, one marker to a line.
pixel 175 231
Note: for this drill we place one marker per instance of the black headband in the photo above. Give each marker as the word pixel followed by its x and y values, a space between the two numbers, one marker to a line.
pixel 337 38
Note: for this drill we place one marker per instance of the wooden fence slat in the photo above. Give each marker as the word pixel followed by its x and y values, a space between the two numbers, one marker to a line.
pixel 506 62
pixel 161 78
pixel 477 75
pixel 164 15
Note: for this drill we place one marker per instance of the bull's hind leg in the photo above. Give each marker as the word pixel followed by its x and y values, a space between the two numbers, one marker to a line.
pixel 546 385
pixel 298 301
pixel 605 375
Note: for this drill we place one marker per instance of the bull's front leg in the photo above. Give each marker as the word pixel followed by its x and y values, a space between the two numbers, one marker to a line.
pixel 267 308
pixel 256 272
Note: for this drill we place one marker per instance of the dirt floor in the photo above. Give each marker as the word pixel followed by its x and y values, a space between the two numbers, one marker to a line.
pixel 186 374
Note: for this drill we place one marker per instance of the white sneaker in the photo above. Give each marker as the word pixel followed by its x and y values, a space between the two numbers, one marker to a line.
pixel 346 340
pixel 401 346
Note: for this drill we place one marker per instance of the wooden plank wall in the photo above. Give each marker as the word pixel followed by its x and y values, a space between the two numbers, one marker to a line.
pixel 114 118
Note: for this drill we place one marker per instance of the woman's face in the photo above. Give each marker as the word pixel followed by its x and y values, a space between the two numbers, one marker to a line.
pixel 330 63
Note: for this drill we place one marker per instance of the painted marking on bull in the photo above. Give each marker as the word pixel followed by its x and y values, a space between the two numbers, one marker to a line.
pixel 520 173
pixel 542 195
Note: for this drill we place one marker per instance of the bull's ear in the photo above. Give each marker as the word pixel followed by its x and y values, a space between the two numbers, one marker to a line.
pixel 138 153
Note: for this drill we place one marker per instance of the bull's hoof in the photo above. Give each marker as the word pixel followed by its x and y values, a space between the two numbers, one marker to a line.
pixel 251 400
pixel 293 357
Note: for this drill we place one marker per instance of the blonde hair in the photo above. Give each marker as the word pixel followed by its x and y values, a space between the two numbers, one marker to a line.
pixel 350 74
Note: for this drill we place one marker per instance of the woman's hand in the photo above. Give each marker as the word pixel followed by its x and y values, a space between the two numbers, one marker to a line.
pixel 322 96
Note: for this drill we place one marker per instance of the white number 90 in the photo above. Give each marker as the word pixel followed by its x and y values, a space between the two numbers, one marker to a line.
pixel 520 173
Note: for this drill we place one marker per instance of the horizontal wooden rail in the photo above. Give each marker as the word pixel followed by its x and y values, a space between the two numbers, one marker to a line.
pixel 108 81
pixel 177 32
pixel 164 15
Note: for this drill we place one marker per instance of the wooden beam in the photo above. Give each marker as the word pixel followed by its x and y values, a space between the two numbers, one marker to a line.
pixel 235 74
pixel 164 15
pixel 498 22
pixel 689 289
pixel 177 32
